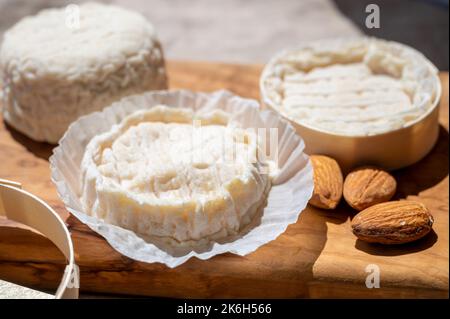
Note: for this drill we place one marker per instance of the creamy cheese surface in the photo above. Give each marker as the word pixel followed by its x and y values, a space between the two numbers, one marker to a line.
pixel 168 172
pixel 351 87
pixel 61 64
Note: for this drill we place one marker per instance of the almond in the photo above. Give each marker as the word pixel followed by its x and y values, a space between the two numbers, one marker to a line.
pixel 328 182
pixel 395 222
pixel 367 186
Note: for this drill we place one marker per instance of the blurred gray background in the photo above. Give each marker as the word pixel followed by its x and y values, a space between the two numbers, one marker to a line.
pixel 422 24
pixel 231 30
pixel 251 31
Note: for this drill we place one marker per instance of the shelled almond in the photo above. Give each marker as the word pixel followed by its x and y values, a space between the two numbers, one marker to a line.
pixel 395 222
pixel 328 182
pixel 367 186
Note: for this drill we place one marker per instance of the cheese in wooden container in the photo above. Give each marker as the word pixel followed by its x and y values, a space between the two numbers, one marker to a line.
pixel 360 100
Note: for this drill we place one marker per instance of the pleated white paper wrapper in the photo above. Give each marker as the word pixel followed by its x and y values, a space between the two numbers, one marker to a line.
pixel 289 195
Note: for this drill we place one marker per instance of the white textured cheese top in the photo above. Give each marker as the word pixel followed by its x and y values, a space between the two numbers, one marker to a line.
pixel 351 87
pixel 54 70
pixel 159 175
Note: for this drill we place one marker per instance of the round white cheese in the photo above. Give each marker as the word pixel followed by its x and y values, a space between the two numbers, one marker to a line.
pixel 61 64
pixel 170 173
pixel 351 87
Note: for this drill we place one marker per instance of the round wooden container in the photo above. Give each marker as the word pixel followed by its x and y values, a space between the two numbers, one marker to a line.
pixel 389 150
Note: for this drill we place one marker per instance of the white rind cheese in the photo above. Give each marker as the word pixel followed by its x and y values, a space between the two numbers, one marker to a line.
pixel 53 72
pixel 161 175
pixel 353 87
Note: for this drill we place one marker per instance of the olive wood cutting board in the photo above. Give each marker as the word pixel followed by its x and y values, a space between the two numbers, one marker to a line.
pixel 316 257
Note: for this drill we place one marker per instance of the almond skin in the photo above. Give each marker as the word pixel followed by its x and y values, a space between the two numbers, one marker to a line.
pixel 328 182
pixel 367 186
pixel 395 222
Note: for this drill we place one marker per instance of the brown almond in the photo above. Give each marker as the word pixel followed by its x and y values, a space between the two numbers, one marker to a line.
pixel 328 182
pixel 395 222
pixel 367 186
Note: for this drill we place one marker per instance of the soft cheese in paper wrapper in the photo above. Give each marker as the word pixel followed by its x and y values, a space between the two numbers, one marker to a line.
pixel 291 188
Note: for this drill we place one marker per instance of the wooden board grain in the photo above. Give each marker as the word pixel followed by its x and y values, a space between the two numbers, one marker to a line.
pixel 316 257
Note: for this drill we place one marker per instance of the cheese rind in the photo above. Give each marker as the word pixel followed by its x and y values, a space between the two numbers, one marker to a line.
pixel 159 175
pixel 352 87
pixel 53 72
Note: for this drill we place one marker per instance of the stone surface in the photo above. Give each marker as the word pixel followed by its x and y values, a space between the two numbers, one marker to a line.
pixel 11 291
